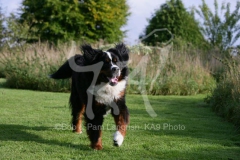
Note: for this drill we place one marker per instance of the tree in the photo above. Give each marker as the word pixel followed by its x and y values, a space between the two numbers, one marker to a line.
pixel 2 28
pixel 63 20
pixel 104 19
pixel 221 30
pixel 173 16
pixel 16 32
pixel 52 20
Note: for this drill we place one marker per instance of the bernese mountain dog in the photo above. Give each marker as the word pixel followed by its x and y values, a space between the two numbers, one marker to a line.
pixel 107 94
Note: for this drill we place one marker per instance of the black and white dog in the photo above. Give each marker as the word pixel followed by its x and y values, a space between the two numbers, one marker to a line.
pixel 108 93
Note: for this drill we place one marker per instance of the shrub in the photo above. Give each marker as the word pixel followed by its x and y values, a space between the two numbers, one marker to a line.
pixel 161 71
pixel 28 67
pixel 2 75
pixel 225 99
pixel 172 72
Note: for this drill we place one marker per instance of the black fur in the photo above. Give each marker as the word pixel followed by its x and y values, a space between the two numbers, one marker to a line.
pixel 81 82
pixel 63 72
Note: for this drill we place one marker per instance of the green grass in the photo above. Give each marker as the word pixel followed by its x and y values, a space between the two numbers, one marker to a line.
pixel 31 122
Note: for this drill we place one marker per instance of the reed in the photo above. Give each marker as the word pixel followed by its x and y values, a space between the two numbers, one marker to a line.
pixel 167 71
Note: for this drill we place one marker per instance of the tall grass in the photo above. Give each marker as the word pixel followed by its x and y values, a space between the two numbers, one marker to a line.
pixel 167 71
pixel 28 67
pixel 175 72
pixel 225 99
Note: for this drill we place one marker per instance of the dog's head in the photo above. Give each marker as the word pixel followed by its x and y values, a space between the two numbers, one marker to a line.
pixel 114 62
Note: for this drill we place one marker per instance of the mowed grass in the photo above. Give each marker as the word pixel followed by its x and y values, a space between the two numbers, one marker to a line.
pixel 36 125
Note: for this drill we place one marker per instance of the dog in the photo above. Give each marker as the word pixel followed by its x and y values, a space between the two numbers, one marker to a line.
pixel 93 101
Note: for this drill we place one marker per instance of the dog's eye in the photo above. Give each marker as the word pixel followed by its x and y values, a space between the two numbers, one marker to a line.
pixel 107 60
pixel 114 60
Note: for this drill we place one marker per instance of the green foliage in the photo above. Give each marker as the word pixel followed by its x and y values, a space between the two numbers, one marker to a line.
pixel 222 30
pixel 173 16
pixel 28 67
pixel 2 40
pixel 52 20
pixel 104 19
pixel 1 27
pixel 64 20
pixel 225 98
pixel 16 32
pixel 167 72
pixel 172 72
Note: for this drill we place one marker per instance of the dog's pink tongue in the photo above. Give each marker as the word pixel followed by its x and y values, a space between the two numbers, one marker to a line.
pixel 114 80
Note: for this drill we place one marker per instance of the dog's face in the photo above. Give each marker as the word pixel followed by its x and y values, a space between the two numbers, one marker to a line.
pixel 114 61
pixel 111 70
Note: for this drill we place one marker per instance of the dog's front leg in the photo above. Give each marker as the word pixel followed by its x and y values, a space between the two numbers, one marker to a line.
pixel 121 122
pixel 94 131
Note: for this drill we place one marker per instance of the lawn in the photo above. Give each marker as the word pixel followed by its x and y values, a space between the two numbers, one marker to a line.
pixel 36 125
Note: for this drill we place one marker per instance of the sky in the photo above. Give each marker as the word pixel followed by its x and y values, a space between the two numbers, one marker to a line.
pixel 140 10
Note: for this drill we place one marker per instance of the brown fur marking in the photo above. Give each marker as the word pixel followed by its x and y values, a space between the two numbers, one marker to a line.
pixel 78 126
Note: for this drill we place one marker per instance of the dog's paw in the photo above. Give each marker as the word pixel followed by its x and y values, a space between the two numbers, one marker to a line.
pixel 77 131
pixel 97 147
pixel 80 132
pixel 118 139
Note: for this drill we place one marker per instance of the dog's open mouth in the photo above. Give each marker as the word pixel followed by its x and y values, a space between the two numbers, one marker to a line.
pixel 113 81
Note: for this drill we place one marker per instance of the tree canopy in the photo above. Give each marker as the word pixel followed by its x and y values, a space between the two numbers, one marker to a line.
pixel 63 20
pixel 220 30
pixel 1 25
pixel 104 19
pixel 173 16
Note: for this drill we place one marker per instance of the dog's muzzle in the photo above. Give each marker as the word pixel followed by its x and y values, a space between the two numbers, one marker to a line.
pixel 115 75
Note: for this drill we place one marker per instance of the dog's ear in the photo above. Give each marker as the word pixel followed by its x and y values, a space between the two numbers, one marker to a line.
pixel 123 51
pixel 89 53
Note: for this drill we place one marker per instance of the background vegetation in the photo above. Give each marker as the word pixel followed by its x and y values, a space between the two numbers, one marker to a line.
pixel 174 16
pixel 225 99
pixel 221 30
pixel 173 71
pixel 64 20
pixel 220 27
pixel 28 67
pixel 202 58
pixel 1 26
pixel 179 73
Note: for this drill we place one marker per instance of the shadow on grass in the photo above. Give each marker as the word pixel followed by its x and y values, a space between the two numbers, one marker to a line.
pixel 10 132
pixel 185 117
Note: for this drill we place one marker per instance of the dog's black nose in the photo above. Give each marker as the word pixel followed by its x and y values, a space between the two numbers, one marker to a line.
pixel 115 69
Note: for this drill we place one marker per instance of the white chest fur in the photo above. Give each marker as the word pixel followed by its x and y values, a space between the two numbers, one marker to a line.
pixel 105 94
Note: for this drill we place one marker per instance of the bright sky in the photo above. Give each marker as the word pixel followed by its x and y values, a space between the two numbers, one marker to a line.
pixel 140 11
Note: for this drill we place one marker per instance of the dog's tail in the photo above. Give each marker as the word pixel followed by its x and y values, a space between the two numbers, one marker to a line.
pixel 63 72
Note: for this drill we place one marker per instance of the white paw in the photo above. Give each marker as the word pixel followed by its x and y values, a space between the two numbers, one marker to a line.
pixel 118 139
pixel 79 132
